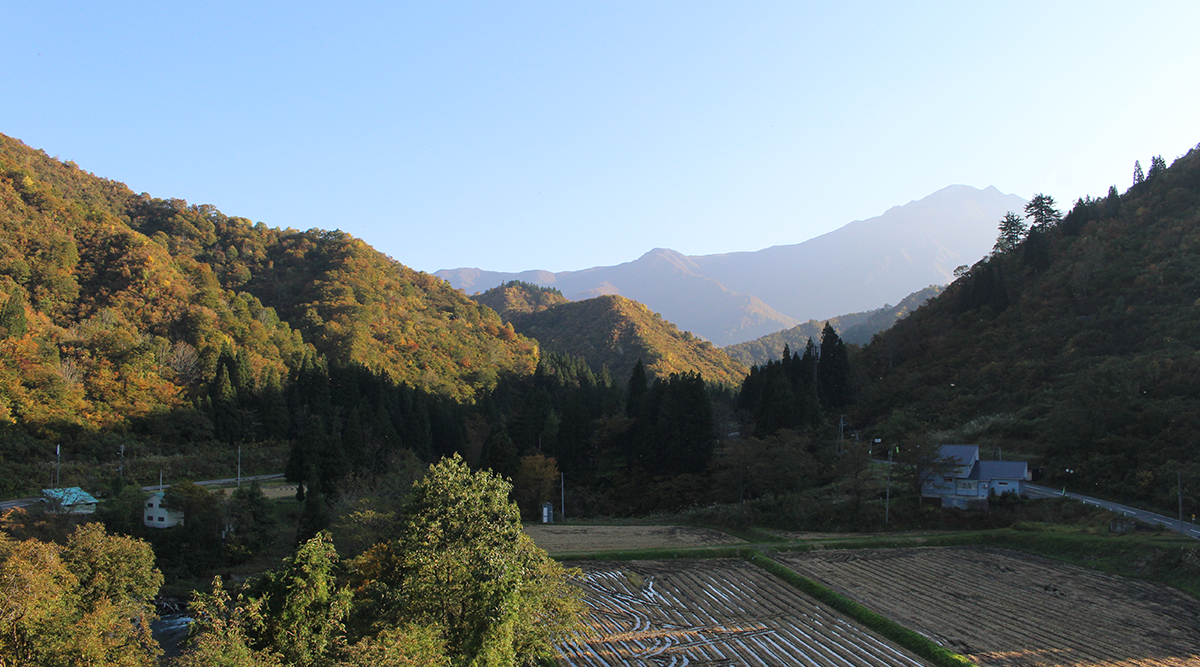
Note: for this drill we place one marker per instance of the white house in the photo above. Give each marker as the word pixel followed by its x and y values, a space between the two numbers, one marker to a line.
pixel 69 500
pixel 157 516
pixel 969 479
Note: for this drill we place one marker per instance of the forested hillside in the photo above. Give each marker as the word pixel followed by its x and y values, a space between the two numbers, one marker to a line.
pixel 609 331
pixel 1075 343
pixel 127 314
pixel 854 328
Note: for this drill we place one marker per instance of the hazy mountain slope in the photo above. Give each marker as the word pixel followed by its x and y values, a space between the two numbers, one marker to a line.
pixel 1081 347
pixel 855 328
pixel 737 297
pixel 870 262
pixel 616 332
pixel 661 277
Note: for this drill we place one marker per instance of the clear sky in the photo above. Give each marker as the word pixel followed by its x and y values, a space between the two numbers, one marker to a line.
pixel 562 135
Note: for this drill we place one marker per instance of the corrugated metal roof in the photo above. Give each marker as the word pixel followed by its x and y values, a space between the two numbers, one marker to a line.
pixel 71 495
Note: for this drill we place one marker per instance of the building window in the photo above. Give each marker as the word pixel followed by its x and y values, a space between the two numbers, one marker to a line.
pixel 149 518
pixel 150 505
pixel 162 518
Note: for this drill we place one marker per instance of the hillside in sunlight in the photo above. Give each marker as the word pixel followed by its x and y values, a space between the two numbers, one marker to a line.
pixel 117 308
pixel 609 331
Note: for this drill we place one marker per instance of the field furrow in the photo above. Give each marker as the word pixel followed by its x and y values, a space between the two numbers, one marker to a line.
pixel 1009 609
pixel 715 612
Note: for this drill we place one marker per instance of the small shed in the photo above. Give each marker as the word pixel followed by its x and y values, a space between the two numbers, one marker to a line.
pixel 157 516
pixel 69 500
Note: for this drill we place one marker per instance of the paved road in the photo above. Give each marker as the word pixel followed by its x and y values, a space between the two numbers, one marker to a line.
pixel 219 482
pixel 25 502
pixel 19 502
pixel 1171 523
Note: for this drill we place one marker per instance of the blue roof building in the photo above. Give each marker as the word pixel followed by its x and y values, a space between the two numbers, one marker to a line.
pixel 69 500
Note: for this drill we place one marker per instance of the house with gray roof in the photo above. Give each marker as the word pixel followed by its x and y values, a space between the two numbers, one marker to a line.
pixel 964 479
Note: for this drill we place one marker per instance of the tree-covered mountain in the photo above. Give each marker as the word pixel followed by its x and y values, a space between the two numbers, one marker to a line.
pixel 609 331
pixel 854 328
pixel 735 297
pixel 516 299
pixel 123 314
pixel 1076 343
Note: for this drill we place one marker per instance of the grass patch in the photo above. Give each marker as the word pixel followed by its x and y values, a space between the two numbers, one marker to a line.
pixel 913 641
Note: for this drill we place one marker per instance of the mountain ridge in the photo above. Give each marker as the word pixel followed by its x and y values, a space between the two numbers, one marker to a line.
pixel 736 297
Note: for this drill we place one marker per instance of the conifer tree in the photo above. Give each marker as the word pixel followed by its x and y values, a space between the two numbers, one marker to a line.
pixel 1157 166
pixel 833 371
pixel 1041 210
pixel 12 317
pixel 1012 230
pixel 1138 176
pixel 636 393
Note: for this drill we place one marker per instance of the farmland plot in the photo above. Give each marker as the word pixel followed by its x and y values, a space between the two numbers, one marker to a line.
pixel 715 612
pixel 1006 608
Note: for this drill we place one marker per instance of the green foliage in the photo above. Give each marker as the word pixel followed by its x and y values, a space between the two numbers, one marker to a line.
pixel 219 633
pixel 88 602
pixel 462 564
pixel 303 608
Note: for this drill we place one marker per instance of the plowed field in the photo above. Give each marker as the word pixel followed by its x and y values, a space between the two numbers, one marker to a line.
pixel 715 612
pixel 575 539
pixel 1005 608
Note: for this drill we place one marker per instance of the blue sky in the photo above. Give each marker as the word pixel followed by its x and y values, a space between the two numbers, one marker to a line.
pixel 563 135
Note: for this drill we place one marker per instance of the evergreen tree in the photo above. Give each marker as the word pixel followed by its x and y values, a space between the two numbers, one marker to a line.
pixel 1012 230
pixel 1157 166
pixel 12 317
pixel 636 393
pixel 1138 176
pixel 500 454
pixel 272 408
pixel 833 371
pixel 1041 210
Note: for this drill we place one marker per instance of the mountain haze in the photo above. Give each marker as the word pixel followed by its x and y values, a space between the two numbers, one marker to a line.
pixel 853 328
pixel 735 297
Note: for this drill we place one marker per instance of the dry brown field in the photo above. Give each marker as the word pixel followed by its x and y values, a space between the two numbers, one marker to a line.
pixel 715 612
pixel 1005 608
pixel 556 538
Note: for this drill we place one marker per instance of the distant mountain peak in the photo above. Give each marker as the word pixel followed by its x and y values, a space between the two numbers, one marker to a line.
pixel 738 296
